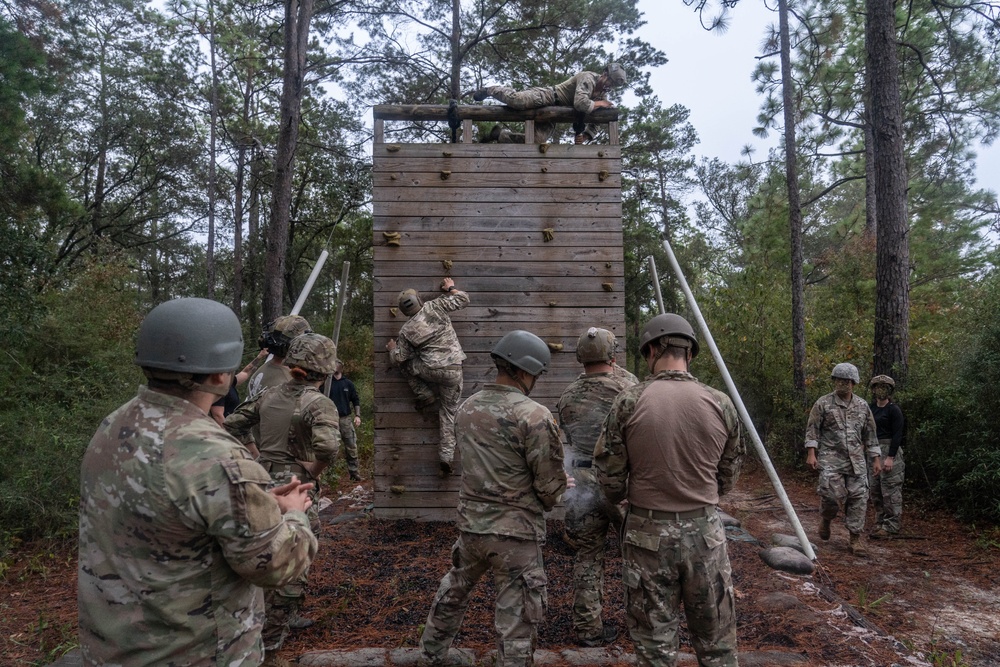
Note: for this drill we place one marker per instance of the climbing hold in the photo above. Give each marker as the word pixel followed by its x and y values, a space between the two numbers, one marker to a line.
pixel 555 347
pixel 602 175
pixel 600 153
pixel 543 148
pixel 446 153
pixel 545 170
pixel 445 174
pixel 392 148
pixel 447 264
pixel 392 238
pixel 553 304
pixel 392 177
pixel 393 311
pixel 398 489
pixel 607 265
pixel 548 234
pixel 608 287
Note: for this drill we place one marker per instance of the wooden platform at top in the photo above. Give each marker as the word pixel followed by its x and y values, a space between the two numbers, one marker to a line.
pixel 486 211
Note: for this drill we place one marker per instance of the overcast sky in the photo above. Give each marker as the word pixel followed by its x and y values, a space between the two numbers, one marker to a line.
pixel 709 73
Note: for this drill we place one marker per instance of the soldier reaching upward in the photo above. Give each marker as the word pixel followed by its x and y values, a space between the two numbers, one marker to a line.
pixel 429 356
pixel 177 529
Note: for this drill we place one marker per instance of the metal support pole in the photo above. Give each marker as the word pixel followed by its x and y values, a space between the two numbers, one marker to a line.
pixel 656 284
pixel 309 283
pixel 340 313
pixel 744 415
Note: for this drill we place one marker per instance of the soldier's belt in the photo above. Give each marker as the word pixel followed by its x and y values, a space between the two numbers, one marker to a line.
pixel 660 515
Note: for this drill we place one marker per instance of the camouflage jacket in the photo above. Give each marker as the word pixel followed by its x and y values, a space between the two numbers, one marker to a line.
pixel 429 334
pixel 177 534
pixel 512 464
pixel 578 92
pixel 297 423
pixel 611 455
pixel 271 374
pixel 844 433
pixel 583 407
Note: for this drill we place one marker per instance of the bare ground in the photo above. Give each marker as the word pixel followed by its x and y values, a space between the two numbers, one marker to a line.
pixel 930 598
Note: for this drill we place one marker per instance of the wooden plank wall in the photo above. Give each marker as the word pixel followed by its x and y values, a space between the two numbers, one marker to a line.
pixel 485 208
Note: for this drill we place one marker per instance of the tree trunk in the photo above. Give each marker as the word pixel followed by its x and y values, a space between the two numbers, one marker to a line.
pixel 794 211
pixel 241 165
pixel 456 49
pixel 297 16
pixel 892 258
pixel 212 132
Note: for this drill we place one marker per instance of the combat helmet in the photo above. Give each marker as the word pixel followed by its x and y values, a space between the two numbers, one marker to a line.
pixel 524 350
pixel 616 74
pixel 282 331
pixel 409 302
pixel 883 379
pixel 313 352
pixel 676 328
pixel 189 336
pixel 596 345
pixel 846 371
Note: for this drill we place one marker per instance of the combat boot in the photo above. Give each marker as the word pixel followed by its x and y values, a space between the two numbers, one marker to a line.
pixel 272 660
pixel 609 634
pixel 824 528
pixel 857 545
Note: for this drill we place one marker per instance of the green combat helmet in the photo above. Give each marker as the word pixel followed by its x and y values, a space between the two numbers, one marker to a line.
pixel 846 371
pixel 882 379
pixel 409 302
pixel 189 336
pixel 595 346
pixel 678 331
pixel 313 352
pixel 524 350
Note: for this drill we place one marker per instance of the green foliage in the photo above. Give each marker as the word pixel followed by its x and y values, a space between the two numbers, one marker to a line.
pixel 73 367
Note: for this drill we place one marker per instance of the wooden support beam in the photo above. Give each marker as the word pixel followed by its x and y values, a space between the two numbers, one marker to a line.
pixel 489 112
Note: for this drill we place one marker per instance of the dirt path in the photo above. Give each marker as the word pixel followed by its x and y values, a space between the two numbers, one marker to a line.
pixel 930 599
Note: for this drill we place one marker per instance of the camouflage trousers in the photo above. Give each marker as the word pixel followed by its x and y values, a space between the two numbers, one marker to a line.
pixel 443 385
pixel 282 604
pixel 668 562
pixel 531 98
pixel 887 492
pixel 844 491
pixel 588 517
pixel 350 440
pixel 519 579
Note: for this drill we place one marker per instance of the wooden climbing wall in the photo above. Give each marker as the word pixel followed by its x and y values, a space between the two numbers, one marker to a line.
pixel 486 209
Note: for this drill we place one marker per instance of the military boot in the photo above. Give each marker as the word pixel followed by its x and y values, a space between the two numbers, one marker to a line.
pixel 824 528
pixel 272 660
pixel 857 545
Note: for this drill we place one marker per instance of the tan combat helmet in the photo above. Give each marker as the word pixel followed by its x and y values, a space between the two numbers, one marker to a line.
pixel 282 331
pixel 313 352
pixel 409 302
pixel 596 345
pixel 616 74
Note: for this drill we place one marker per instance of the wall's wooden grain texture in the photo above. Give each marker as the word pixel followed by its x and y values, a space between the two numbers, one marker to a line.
pixel 485 209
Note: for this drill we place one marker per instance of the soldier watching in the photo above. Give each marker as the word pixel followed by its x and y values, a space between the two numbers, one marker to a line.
pixel 582 409
pixel 671 445
pixel 299 437
pixel 512 473
pixel 345 396
pixel 887 487
pixel 429 356
pixel 842 428
pixel 277 336
pixel 177 529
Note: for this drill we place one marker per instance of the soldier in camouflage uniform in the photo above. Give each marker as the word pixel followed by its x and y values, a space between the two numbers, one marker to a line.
pixel 671 445
pixel 177 529
pixel 299 437
pixel 429 356
pixel 582 408
pixel 276 338
pixel 842 428
pixel 585 92
pixel 512 473
pixel 887 488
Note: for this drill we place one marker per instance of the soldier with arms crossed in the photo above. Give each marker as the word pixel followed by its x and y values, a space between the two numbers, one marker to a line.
pixel 177 529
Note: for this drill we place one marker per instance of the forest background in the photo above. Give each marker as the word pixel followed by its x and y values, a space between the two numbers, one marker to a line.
pixel 143 148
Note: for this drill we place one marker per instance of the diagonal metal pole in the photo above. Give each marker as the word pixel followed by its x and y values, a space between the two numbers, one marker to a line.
pixel 340 313
pixel 656 284
pixel 740 408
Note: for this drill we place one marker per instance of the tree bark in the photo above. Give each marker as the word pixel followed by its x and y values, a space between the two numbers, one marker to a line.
pixel 892 254
pixel 297 16
pixel 794 210
pixel 212 135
